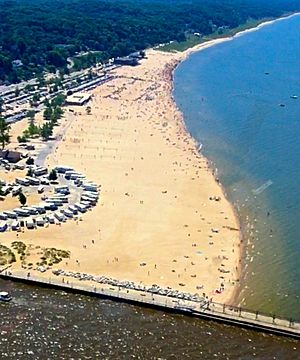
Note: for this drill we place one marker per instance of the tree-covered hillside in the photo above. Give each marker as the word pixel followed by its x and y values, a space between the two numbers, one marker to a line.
pixel 44 33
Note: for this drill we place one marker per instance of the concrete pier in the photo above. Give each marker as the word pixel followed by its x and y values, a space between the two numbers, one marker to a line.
pixel 204 309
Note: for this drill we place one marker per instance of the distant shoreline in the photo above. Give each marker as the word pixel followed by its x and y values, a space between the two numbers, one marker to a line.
pixel 185 56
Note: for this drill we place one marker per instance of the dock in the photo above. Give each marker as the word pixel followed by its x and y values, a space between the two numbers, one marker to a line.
pixel 205 309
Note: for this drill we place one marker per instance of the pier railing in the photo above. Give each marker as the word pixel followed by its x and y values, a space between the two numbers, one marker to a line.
pixel 247 314
pixel 204 308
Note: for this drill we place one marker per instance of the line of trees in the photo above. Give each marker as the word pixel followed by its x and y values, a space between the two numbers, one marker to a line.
pixel 43 34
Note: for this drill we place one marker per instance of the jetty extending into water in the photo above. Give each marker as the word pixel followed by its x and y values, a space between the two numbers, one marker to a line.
pixel 202 308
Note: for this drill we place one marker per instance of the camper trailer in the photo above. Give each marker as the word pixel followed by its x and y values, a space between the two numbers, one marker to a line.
pixel 3 216
pixel 33 180
pixel 51 219
pixel 39 209
pixel 15 225
pixel 22 212
pixel 62 169
pixel 22 181
pixel 59 216
pixel 50 206
pixel 63 198
pixel 62 190
pixel 30 223
pixel 44 181
pixel 39 171
pixel 10 214
pixel 73 209
pixel 89 187
pixel 32 210
pixel 57 202
pixel 40 189
pixel 80 207
pixel 3 226
pixel 40 221
pixel 68 213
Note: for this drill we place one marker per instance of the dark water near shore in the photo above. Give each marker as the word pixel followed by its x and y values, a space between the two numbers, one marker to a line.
pixel 47 324
pixel 230 95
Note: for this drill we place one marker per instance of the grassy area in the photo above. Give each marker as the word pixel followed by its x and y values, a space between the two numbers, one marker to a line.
pixel 193 40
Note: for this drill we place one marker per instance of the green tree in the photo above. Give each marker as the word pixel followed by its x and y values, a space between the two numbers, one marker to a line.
pixel 55 58
pixel 56 114
pixel 47 113
pixel 17 91
pixel 33 129
pixel 22 139
pixel 1 105
pixel 31 114
pixel 22 199
pixel 4 132
pixel 53 175
pixel 30 171
pixel 35 99
pixel 46 131
pixel 59 100
pixel 41 80
pixel 30 161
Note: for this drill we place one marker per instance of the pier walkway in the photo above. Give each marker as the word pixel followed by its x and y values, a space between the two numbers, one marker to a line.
pixel 204 309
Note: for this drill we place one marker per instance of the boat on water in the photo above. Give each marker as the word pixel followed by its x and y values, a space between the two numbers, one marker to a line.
pixel 294 97
pixel 4 296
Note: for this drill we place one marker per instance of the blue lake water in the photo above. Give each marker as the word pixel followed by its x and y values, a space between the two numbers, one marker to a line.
pixel 236 100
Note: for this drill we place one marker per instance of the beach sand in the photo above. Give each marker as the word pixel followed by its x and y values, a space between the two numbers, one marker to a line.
pixel 154 222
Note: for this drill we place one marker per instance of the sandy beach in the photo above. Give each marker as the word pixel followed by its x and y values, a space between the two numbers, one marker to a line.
pixel 162 217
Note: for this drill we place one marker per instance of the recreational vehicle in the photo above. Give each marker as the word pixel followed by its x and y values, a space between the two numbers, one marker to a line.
pixel 39 171
pixel 22 181
pixel 15 225
pixel 3 216
pixel 73 209
pixel 3 226
pixel 68 213
pixel 51 219
pixel 40 221
pixel 22 212
pixel 10 214
pixel 33 180
pixel 59 216
pixel 64 189
pixel 62 169
pixel 80 207
pixel 30 223
pixel 40 189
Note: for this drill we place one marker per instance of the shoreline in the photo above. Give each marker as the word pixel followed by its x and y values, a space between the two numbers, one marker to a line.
pixel 113 141
pixel 185 55
pixel 235 292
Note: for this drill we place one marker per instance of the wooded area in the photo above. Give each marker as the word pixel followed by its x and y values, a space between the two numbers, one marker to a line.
pixel 42 34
